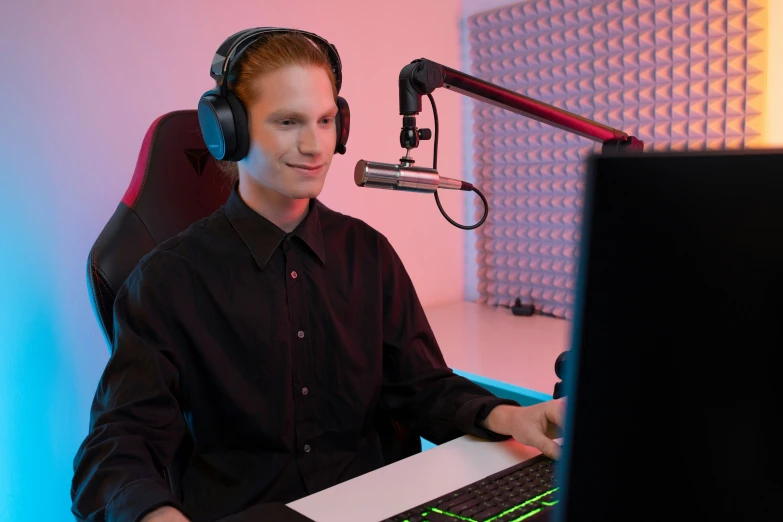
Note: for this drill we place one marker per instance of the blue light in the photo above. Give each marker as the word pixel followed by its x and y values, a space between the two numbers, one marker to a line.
pixel 44 415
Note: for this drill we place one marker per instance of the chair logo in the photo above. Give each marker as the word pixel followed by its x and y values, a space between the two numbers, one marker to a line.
pixel 198 159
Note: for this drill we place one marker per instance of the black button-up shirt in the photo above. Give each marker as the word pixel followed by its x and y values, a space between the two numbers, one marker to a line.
pixel 272 352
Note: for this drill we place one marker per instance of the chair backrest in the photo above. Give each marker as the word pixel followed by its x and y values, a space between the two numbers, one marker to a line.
pixel 176 183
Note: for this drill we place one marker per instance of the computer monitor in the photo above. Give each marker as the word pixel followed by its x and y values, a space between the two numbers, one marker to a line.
pixel 674 380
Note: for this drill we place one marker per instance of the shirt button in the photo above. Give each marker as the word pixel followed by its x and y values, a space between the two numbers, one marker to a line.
pixel 307 448
pixel 293 274
pixel 304 391
pixel 300 334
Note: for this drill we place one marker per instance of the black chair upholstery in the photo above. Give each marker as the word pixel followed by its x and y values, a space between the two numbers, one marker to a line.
pixel 177 182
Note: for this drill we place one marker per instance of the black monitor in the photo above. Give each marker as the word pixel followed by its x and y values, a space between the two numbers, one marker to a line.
pixel 674 379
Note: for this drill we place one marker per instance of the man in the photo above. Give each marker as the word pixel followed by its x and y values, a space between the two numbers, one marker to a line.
pixel 272 334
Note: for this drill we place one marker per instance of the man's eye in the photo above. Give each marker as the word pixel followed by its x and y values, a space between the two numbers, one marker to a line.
pixel 287 123
pixel 327 120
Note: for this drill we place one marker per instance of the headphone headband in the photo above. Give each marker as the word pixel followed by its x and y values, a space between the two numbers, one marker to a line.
pixel 232 48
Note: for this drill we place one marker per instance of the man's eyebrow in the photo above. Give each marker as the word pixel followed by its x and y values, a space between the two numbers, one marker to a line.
pixel 285 113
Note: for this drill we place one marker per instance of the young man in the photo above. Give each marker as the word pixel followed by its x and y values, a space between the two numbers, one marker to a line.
pixel 272 333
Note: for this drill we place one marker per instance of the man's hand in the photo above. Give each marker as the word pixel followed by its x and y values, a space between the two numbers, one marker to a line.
pixel 165 514
pixel 533 425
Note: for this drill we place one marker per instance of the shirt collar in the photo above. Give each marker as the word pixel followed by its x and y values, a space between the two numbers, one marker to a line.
pixel 262 237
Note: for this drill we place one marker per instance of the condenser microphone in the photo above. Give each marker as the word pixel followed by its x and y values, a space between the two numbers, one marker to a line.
pixel 403 177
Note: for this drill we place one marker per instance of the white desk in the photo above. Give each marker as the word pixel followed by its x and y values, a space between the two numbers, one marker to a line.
pixel 478 339
pixel 410 482
pixel 492 342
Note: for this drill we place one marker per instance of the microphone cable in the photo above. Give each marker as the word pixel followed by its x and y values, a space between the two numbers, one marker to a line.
pixel 435 167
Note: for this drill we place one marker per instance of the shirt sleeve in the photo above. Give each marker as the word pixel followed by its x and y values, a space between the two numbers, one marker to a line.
pixel 136 423
pixel 418 388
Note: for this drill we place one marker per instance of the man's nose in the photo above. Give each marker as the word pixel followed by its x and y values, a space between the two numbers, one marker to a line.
pixel 309 140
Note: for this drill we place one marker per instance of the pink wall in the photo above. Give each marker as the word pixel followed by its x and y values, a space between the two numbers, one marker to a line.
pixel 82 81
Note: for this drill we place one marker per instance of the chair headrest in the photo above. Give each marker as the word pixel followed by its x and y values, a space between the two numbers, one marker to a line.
pixel 176 183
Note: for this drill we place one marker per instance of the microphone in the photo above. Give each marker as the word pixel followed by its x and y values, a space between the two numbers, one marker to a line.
pixel 404 177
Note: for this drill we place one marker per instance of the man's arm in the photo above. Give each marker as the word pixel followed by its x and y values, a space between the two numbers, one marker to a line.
pixel 136 423
pixel 418 387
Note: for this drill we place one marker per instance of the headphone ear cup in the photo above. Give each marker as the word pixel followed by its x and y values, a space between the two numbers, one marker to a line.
pixel 217 125
pixel 343 124
pixel 239 127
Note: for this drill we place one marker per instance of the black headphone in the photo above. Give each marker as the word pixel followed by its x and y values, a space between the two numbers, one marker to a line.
pixel 223 118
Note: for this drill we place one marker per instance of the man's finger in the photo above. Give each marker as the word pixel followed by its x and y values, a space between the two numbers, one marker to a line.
pixel 546 445
pixel 555 413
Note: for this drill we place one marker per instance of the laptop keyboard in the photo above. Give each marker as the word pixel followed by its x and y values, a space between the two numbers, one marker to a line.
pixel 521 492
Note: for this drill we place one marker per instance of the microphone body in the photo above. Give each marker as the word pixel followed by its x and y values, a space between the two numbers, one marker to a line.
pixel 403 177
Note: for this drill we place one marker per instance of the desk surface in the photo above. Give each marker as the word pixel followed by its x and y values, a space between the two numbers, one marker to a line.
pixel 411 482
pixel 492 342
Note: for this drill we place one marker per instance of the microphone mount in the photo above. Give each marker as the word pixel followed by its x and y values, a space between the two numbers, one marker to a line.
pixel 410 134
pixel 423 76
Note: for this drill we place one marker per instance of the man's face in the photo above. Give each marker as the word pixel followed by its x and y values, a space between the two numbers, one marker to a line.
pixel 292 131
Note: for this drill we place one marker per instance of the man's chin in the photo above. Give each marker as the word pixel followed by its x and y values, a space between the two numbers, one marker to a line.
pixel 304 194
pixel 306 190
